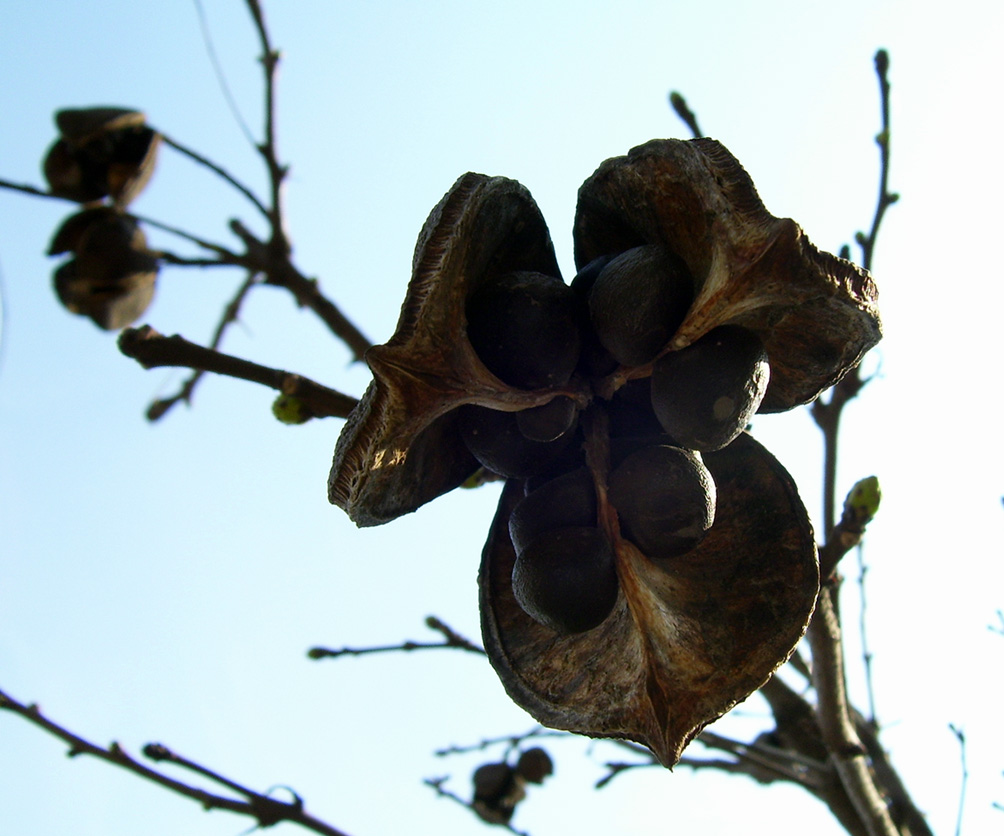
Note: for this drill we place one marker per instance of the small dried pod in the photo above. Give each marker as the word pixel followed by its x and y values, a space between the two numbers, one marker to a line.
pixel 402 445
pixel 534 765
pixel 102 151
pixel 498 788
pixel 815 314
pixel 113 275
pixel 684 641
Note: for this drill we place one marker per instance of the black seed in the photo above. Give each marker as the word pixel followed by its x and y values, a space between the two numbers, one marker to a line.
pixel 566 579
pixel 665 500
pixel 638 301
pixel 565 502
pixel 494 439
pixel 525 328
pixel 549 421
pixel 704 395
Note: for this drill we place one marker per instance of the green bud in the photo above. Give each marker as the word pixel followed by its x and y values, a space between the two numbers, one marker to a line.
pixel 863 500
pixel 291 410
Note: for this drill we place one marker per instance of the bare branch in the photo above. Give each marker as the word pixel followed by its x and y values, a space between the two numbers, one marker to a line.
pixel 152 349
pixel 160 407
pixel 834 715
pixel 281 272
pixel 451 640
pixel 216 169
pixel 264 810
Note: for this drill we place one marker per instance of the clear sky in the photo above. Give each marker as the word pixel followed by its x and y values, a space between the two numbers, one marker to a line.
pixel 164 582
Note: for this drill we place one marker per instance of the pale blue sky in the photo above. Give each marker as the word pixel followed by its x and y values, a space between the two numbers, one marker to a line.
pixel 163 582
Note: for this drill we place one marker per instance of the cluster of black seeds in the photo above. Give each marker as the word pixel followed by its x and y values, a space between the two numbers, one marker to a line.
pixel 616 318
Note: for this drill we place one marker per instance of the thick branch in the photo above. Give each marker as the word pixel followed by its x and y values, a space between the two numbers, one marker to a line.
pixel 152 349
pixel 834 715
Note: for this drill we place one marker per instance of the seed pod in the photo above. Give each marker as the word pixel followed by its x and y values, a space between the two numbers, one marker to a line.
pixel 113 275
pixel 565 502
pixel 535 765
pixel 705 394
pixel 497 791
pixel 523 326
pixel 101 152
pixel 566 579
pixel 665 500
pixel 638 301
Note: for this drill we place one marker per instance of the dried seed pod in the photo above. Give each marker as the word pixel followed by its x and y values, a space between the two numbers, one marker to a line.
pixel 816 314
pixel 665 500
pixel 79 125
pixel 101 152
pixel 497 791
pixel 684 642
pixel 113 275
pixel 567 501
pixel 566 579
pixel 401 447
pixel 704 395
pixel 638 301
pixel 535 765
pixel 524 328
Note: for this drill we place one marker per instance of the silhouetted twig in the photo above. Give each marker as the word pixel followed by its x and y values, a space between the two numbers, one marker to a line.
pixel 451 640
pixel 266 811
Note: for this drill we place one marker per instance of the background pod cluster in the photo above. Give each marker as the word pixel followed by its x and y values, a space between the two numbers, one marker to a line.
pixel 103 159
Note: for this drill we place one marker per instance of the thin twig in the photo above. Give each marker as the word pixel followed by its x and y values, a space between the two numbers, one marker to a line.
pixel 679 104
pixel 961 737
pixel 280 271
pixel 451 640
pixel 866 654
pixel 160 407
pixel 264 810
pixel 279 243
pixel 511 742
pixel 218 70
pixel 217 169
pixel 885 197
pixel 153 350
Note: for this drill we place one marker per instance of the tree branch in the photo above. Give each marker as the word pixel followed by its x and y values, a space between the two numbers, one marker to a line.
pixel 451 640
pixel 152 349
pixel 264 810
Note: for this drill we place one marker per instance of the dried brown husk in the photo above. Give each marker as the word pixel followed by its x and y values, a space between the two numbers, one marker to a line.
pixel 400 447
pixel 113 275
pixel 816 314
pixel 686 640
pixel 102 152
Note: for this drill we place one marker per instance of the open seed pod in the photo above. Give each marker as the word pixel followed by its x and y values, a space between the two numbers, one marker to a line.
pixel 401 446
pixel 685 641
pixel 816 314
pixel 102 151
pixel 112 277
